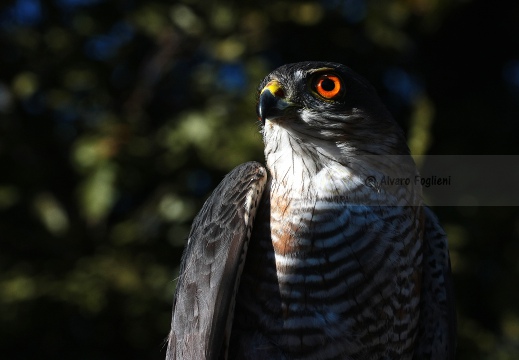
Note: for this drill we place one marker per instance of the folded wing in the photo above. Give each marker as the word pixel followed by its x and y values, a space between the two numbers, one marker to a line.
pixel 437 330
pixel 211 266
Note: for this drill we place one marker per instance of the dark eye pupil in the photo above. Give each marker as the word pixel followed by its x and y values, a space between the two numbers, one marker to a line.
pixel 327 85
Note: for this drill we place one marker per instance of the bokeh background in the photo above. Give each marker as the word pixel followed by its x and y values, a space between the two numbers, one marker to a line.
pixel 117 118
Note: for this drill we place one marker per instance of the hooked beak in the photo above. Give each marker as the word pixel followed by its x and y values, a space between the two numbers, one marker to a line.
pixel 272 102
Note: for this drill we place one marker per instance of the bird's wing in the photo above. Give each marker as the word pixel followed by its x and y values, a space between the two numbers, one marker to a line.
pixel 437 329
pixel 211 265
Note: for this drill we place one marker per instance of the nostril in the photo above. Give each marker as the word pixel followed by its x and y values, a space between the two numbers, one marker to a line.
pixel 279 93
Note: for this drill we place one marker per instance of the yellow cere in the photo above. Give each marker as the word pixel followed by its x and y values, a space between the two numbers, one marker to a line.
pixel 275 88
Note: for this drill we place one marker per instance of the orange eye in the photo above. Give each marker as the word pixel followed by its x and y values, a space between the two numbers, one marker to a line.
pixel 328 86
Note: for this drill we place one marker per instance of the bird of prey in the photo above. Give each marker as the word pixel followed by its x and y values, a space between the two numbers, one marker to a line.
pixel 327 252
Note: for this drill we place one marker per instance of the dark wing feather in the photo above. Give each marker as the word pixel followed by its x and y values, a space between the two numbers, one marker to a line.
pixel 212 264
pixel 437 330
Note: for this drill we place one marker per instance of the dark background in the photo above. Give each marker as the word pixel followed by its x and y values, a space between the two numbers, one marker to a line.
pixel 117 118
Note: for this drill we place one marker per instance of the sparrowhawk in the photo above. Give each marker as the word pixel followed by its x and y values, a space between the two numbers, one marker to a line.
pixel 325 253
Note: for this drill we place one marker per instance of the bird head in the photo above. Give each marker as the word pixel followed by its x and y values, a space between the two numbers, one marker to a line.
pixel 320 114
pixel 323 101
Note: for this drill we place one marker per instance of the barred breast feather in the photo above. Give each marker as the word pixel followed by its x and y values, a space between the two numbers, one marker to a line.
pixel 327 279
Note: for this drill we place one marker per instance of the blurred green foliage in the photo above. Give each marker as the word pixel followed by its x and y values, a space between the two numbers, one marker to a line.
pixel 117 118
